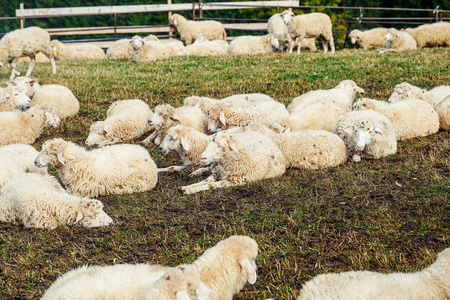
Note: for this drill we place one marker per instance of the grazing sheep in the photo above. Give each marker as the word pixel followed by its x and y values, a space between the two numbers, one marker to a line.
pixel 369 39
pixel 430 283
pixel 204 47
pixel 398 41
pixel 25 127
pixel 16 160
pixel 120 49
pixel 308 149
pixel 238 159
pixel 191 30
pixel 125 120
pixel 412 118
pixel 167 116
pixel 25 42
pixel 405 91
pixel 254 44
pixel 313 25
pixel 64 52
pixel 11 99
pixel 116 169
pixel 66 103
pixel 443 110
pixel 36 200
pixel 367 134
pixel 431 35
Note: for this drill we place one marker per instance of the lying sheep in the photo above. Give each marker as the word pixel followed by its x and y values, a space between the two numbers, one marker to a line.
pixel 204 47
pixel 430 283
pixel 431 35
pixel 238 159
pixel 443 110
pixel 313 25
pixel 254 44
pixel 151 51
pixel 11 99
pixel 167 116
pixel 17 160
pixel 308 149
pixel 138 42
pixel 86 51
pixel 412 118
pixel 405 91
pixel 120 49
pixel 125 120
pixel 191 30
pixel 369 39
pixel 61 97
pixel 367 134
pixel 36 200
pixel 25 127
pixel 398 41
pixel 25 42
pixel 116 169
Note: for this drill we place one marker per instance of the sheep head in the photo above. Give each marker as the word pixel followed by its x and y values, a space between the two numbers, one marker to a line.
pixel 282 126
pixel 404 91
pixel 56 47
pixel 25 84
pixel 13 99
pixel 51 114
pixel 165 116
pixel 176 139
pixel 91 214
pixel 391 35
pixel 98 133
pixel 350 85
pixel 287 16
pixel 363 103
pixel 355 35
pixel 137 42
pixel 218 116
pixel 175 19
pixel 364 133
pixel 52 153
pixel 221 144
pixel 273 41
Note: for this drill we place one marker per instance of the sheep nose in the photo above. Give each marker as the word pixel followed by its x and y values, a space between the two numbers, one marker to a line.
pixel 150 123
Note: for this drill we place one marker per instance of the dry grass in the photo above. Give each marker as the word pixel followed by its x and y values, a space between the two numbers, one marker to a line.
pixel 388 215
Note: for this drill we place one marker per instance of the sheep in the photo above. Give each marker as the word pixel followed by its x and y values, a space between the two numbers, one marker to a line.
pixel 25 42
pixel 151 51
pixel 367 134
pixel 191 30
pixel 308 149
pixel 138 42
pixel 313 25
pixel 412 118
pixel 40 57
pixel 115 169
pixel 125 120
pixel 369 39
pixel 431 35
pixel 167 116
pixel 11 99
pixel 443 110
pixel 120 49
pixel 16 160
pixel 84 51
pixel 36 200
pixel 25 127
pixel 254 44
pixel 66 103
pixel 405 91
pixel 238 159
pixel 430 283
pixel 204 47
pixel 398 41
pixel 128 281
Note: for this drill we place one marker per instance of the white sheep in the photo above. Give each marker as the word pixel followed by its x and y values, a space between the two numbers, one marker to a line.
pixel 16 160
pixel 412 118
pixel 40 57
pixel 313 25
pixel 62 51
pixel 367 134
pixel 115 169
pixel 25 127
pixel 191 30
pixel 238 159
pixel 120 49
pixel 138 42
pixel 254 44
pixel 405 91
pixel 25 42
pixel 151 51
pixel 12 99
pixel 369 39
pixel 443 110
pixel 398 41
pixel 204 47
pixel 431 35
pixel 61 97
pixel 36 200
pixel 430 283
pixel 307 149
pixel 125 120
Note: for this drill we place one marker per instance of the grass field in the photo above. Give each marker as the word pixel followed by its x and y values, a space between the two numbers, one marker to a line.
pixel 387 215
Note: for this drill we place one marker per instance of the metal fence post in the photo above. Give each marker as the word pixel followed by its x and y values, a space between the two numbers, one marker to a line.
pixel 193 11
pixel 169 15
pixel 115 26
pixel 200 11
pixel 360 17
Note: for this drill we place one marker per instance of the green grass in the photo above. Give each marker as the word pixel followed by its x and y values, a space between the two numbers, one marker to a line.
pixel 387 215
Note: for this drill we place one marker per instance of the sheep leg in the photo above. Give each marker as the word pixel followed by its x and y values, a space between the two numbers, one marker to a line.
pixel 299 44
pixel 31 66
pixel 207 186
pixel 12 66
pixel 200 171
pixel 325 45
pixel 150 138
pixel 188 188
pixel 332 45
pixel 171 169
pixel 291 45
pixel 52 60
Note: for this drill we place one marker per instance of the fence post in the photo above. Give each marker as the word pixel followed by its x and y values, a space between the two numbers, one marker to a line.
pixel 193 11
pixel 200 11
pixel 360 17
pixel 169 15
pixel 115 26
pixel 22 19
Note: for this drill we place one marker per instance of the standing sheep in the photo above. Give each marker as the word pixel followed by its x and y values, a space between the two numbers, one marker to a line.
pixel 367 134
pixel 398 41
pixel 125 120
pixel 369 39
pixel 86 51
pixel 36 200
pixel 11 99
pixel 254 44
pixel 430 283
pixel 238 159
pixel 25 42
pixel 443 110
pixel 191 30
pixel 405 91
pixel 313 25
pixel 431 35
pixel 116 169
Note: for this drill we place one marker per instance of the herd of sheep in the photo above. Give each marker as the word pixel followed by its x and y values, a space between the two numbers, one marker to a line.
pixel 235 140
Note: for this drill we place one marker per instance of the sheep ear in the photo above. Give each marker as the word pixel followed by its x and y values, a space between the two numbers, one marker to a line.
pixel 185 143
pixel 79 217
pixel 60 159
pixel 251 272
pixel 175 118
pixel 348 128
pixel 182 295
pixel 222 119
pixel 233 147
pixel 376 130
pixel 359 90
pixel 33 81
pixel 7 95
pixel 10 83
